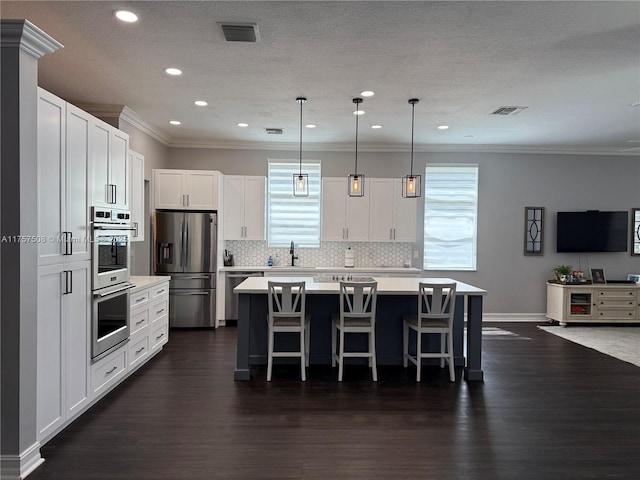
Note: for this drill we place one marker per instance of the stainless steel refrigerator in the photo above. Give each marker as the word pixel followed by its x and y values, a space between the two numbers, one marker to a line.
pixel 185 248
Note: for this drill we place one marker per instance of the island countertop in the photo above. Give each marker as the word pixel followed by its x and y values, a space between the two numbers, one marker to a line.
pixel 386 285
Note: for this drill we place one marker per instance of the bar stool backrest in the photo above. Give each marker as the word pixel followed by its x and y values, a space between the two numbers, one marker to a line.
pixel 358 299
pixel 436 301
pixel 287 300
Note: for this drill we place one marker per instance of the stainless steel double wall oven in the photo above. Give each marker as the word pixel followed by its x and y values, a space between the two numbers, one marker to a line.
pixel 110 258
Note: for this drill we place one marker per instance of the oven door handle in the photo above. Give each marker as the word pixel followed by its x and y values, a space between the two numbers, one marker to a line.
pixel 111 292
pixel 112 227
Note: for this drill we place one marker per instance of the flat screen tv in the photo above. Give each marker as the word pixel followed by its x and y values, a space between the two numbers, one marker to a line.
pixel 592 231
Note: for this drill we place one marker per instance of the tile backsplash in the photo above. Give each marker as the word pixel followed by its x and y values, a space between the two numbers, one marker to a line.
pixel 330 254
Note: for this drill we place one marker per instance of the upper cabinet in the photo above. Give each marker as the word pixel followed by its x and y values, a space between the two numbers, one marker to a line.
pixel 136 164
pixel 243 210
pixel 344 218
pixel 111 174
pixel 393 218
pixel 63 172
pixel 186 189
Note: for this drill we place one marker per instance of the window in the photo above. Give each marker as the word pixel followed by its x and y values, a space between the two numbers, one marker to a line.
pixel 288 217
pixel 450 217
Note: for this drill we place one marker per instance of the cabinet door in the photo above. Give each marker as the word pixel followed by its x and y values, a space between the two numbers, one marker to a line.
pixel 233 207
pixel 77 313
pixel 100 189
pixel 358 218
pixel 254 208
pixel 168 188
pixel 51 178
pixel 201 190
pixel 78 178
pixel 50 394
pixel 334 207
pixel 404 215
pixel 136 164
pixel 381 206
pixel 119 169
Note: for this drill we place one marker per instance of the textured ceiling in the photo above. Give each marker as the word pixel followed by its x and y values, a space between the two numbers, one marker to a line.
pixel 575 65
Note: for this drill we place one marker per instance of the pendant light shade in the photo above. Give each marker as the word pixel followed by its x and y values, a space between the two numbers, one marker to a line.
pixel 411 184
pixel 300 180
pixel 356 180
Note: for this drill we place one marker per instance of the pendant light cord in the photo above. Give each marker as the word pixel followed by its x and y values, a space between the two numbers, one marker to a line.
pixel 301 101
pixel 357 101
pixel 413 102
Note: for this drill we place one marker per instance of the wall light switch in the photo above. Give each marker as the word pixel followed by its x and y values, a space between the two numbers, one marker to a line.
pixel 416 254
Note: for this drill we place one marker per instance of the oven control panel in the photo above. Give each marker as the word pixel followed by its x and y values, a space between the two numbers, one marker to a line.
pixel 110 215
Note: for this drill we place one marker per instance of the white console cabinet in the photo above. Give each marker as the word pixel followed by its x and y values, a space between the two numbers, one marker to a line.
pixel 617 303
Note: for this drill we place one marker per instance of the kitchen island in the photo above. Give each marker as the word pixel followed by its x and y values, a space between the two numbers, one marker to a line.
pixel 397 296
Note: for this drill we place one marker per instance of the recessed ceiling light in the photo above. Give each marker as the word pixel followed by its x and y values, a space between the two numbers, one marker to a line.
pixel 367 93
pixel 358 112
pixel 201 103
pixel 376 126
pixel 175 122
pixel 173 71
pixel 443 127
pixel 126 16
pixel 310 125
pixel 241 124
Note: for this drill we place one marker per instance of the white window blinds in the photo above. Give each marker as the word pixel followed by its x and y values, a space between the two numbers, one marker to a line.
pixel 292 218
pixel 450 217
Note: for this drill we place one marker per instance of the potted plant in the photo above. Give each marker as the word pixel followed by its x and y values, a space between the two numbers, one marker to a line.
pixel 561 272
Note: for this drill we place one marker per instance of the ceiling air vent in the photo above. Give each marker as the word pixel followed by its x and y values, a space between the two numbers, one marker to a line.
pixel 240 32
pixel 274 131
pixel 508 110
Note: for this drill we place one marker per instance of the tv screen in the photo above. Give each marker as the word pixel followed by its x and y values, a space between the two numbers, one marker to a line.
pixel 592 231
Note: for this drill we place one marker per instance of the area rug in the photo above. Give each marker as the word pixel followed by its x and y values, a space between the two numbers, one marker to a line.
pixel 622 343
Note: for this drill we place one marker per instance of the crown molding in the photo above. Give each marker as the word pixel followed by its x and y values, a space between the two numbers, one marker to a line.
pixel 140 123
pixel 28 37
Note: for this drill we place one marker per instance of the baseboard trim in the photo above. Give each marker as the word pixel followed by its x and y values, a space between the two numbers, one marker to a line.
pixel 514 317
pixel 18 467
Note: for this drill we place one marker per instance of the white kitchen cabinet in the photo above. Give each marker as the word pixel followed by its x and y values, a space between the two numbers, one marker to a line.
pixel 243 207
pixel 344 218
pixel 149 322
pixel 393 218
pixel 110 166
pixel 64 305
pixel 63 181
pixel 136 163
pixel 186 189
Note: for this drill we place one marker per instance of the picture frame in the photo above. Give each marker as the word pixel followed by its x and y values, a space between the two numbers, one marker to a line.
pixel 597 276
pixel 533 231
pixel 634 277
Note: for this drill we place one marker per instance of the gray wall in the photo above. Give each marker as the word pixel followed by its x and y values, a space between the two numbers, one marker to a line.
pixel 507 183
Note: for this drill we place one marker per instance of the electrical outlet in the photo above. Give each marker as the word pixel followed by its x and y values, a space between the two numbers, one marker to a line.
pixel 416 254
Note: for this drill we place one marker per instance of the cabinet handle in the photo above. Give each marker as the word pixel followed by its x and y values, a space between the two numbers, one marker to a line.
pixel 161 335
pixel 139 322
pixel 391 234
pixel 139 299
pixel 135 229
pixel 67 282
pixel 347 229
pixel 115 193
pixel 184 200
pixel 158 292
pixel 139 350
pixel 112 370
pixel 160 311
pixel 188 200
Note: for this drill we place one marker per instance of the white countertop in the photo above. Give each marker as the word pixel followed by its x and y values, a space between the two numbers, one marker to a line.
pixel 144 281
pixel 287 269
pixel 386 285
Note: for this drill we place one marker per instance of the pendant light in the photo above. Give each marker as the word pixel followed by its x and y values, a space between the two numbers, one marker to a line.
pixel 356 180
pixel 411 183
pixel 300 180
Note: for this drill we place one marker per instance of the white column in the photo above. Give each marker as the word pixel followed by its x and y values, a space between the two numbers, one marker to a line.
pixel 22 45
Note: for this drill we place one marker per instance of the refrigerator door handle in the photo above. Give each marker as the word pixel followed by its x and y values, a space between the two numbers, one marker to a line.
pixel 181 242
pixel 186 243
pixel 181 294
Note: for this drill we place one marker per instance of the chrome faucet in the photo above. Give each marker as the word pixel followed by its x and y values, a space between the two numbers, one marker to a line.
pixel 294 257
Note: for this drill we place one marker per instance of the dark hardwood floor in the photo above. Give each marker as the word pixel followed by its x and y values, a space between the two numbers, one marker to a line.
pixel 548 410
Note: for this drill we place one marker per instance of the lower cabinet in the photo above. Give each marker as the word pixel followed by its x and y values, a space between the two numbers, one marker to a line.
pixel 593 303
pixel 64 310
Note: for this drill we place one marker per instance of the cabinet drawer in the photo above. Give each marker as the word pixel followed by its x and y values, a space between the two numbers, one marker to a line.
pixel 138 351
pixel 139 321
pixel 108 370
pixel 159 336
pixel 139 298
pixel 158 310
pixel 616 303
pixel 617 293
pixel 617 313
pixel 159 290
